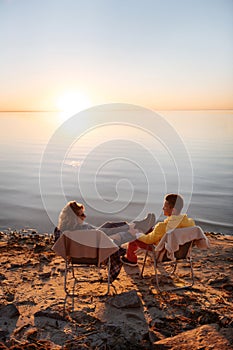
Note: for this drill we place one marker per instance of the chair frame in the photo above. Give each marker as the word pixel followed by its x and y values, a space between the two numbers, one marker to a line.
pixel 72 263
pixel 180 256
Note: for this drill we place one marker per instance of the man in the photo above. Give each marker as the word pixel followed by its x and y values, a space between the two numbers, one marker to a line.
pixel 173 204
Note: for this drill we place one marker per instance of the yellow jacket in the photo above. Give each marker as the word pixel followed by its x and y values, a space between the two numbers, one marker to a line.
pixel 172 222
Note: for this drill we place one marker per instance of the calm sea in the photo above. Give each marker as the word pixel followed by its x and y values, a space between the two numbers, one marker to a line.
pixel 119 167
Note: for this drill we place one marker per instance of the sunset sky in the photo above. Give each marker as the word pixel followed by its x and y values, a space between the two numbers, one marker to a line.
pixel 160 54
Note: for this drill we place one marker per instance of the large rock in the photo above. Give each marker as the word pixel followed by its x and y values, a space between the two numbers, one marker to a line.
pixel 48 312
pixel 125 300
pixel 9 311
pixel 198 338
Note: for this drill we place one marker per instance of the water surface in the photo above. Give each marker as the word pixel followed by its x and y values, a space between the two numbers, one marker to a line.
pixel 122 168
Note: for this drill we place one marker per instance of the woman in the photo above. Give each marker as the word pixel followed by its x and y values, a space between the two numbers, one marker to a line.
pixel 73 215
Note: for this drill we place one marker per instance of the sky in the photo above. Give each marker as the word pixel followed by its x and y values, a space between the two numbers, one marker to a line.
pixel 73 54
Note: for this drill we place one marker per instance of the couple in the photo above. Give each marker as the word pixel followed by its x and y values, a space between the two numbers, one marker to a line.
pixel 73 215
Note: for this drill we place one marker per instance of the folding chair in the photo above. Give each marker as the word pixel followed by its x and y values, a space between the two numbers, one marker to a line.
pixel 174 247
pixel 84 249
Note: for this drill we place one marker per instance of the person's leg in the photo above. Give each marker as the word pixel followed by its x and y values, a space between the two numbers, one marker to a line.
pixel 132 247
pixel 110 224
pixel 111 228
pixel 122 237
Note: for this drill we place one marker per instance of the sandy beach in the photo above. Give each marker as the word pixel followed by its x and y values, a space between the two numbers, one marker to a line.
pixel 134 316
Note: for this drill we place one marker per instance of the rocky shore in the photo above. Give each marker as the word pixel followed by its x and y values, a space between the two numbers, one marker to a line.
pixel 35 315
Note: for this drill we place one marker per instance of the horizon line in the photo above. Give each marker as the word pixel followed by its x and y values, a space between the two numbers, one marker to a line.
pixel 157 109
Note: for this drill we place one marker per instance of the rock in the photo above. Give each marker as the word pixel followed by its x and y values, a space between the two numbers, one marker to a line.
pixel 10 296
pixel 219 280
pixel 228 287
pixel 50 314
pixel 2 346
pixel 225 321
pixel 45 275
pixel 84 318
pixel 9 311
pixel 3 244
pixel 156 313
pixel 154 336
pixel 39 247
pixel 15 266
pixel 157 323
pixel 3 335
pixel 208 317
pixel 125 300
pixel 2 277
pixel 199 338
pixel 31 334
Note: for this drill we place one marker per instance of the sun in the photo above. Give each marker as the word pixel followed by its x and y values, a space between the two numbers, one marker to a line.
pixel 73 101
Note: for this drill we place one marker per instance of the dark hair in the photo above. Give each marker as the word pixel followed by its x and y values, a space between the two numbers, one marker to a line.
pixel 175 201
pixel 76 207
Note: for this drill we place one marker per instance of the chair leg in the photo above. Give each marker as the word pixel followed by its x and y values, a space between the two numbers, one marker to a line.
pixel 67 267
pixel 109 268
pixel 75 280
pixel 65 278
pixel 192 277
pixel 175 288
pixel 144 262
pixel 174 268
pixel 192 272
pixel 156 276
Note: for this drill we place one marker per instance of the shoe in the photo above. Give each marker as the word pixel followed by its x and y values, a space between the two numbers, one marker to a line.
pixel 125 261
pixel 151 224
pixel 146 224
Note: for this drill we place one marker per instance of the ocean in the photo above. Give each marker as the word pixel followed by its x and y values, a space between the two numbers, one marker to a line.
pixel 120 161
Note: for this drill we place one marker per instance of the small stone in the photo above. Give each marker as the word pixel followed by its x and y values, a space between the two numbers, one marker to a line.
pixel 2 277
pixel 224 321
pixel 31 334
pixel 39 247
pixel 154 336
pixel 208 317
pixel 228 287
pixel 15 266
pixel 3 335
pixel 157 323
pixel 219 280
pixel 10 296
pixel 45 275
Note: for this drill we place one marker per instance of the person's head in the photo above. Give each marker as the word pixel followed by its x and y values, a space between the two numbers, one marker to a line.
pixel 72 213
pixel 173 204
pixel 79 210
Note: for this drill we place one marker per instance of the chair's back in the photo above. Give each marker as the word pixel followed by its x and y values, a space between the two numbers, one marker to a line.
pixel 184 250
pixel 182 253
pixel 177 244
pixel 83 261
pixel 85 246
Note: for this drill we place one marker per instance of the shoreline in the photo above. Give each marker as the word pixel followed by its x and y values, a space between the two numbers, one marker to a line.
pixel 214 230
pixel 32 301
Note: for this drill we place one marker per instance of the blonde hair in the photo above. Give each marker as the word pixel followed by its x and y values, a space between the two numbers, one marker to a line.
pixel 68 216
